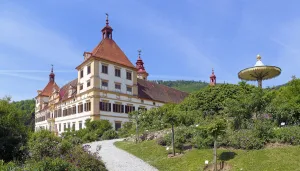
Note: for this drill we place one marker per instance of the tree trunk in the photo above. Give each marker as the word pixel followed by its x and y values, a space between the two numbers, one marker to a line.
pixel 137 133
pixel 173 148
pixel 215 153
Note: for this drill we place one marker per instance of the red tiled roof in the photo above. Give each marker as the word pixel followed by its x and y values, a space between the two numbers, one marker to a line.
pixel 158 92
pixel 108 49
pixel 63 92
pixel 47 91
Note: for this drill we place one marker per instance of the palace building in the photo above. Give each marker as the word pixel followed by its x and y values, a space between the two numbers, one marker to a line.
pixel 108 87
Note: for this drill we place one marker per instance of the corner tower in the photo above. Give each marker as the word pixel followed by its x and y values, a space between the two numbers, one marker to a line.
pixel 212 78
pixel 141 73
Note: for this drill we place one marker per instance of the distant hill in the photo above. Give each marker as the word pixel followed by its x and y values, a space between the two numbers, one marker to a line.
pixel 183 85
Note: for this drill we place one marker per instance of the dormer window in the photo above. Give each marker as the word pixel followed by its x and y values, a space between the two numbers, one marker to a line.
pixel 70 91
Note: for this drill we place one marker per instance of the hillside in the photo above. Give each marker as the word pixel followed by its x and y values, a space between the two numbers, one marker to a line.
pixel 183 85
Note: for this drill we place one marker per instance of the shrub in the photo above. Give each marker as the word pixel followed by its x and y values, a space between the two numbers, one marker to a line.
pixel 127 129
pixel 289 135
pixel 10 166
pixel 182 136
pixel 264 130
pixel 89 137
pixel 56 164
pixel 85 160
pixel 161 141
pixel 243 139
pixel 43 144
pixel 202 139
pixel 110 134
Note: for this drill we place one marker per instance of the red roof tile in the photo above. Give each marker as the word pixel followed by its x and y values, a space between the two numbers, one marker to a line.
pixel 47 91
pixel 108 50
pixel 158 92
pixel 63 92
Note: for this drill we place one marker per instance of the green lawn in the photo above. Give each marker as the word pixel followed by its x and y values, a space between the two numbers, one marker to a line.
pixel 283 158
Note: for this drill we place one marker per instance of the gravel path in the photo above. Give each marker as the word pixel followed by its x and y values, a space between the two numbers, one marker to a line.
pixel 116 159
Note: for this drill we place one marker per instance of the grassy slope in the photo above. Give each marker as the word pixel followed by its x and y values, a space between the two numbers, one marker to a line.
pixel 284 158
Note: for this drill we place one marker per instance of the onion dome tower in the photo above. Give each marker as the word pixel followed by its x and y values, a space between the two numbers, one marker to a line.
pixel 212 78
pixel 141 72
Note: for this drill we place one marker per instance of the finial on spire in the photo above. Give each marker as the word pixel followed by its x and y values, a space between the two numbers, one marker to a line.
pixel 139 51
pixel 51 68
pixel 107 19
pixel 258 57
pixel 213 70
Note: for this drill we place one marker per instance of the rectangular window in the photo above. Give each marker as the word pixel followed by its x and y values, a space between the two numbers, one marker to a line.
pixel 129 108
pixel 80 108
pixel 65 112
pixel 87 106
pixel 55 114
pixel 88 83
pixel 65 126
pixel 74 110
pixel 129 89
pixel 104 69
pixel 105 106
pixel 59 127
pixel 73 126
pixel 80 125
pixel 89 69
pixel 118 108
pixel 81 86
pixel 128 75
pixel 118 87
pixel 117 125
pixel 69 111
pixel 81 73
pixel 69 125
pixel 104 84
pixel 142 108
pixel 117 72
pixel 59 112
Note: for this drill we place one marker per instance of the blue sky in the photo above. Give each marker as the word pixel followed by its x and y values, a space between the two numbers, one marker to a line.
pixel 181 40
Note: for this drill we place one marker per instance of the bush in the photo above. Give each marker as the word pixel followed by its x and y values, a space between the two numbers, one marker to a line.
pixel 264 130
pixel 56 164
pixel 182 136
pixel 201 139
pixel 43 144
pixel 161 141
pixel 10 166
pixel 89 137
pixel 85 160
pixel 110 134
pixel 127 129
pixel 290 135
pixel 243 139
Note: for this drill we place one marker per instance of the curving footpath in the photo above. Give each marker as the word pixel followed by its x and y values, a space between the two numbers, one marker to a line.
pixel 116 159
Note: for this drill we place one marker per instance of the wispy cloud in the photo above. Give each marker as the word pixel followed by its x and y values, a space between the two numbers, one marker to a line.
pixel 23 31
pixel 24 76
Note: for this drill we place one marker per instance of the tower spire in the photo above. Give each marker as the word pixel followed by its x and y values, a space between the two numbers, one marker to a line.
pixel 107 22
pixel 107 30
pixel 212 78
pixel 52 75
pixel 141 73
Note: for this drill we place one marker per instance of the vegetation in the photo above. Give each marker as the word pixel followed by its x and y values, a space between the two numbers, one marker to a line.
pixel 183 85
pixel 252 118
pixel 21 149
pixel 281 158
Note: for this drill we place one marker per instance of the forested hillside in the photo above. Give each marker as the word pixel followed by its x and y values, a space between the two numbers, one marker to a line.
pixel 26 107
pixel 183 85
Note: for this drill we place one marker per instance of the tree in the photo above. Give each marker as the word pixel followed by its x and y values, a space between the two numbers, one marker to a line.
pixel 135 116
pixel 215 129
pixel 13 132
pixel 170 117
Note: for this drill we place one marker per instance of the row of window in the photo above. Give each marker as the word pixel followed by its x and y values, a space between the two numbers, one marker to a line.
pixel 68 126
pixel 104 85
pixel 66 112
pixel 88 84
pixel 118 108
pixel 104 70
